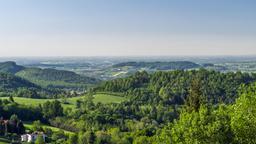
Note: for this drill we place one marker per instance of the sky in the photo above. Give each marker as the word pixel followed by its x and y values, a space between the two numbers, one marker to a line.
pixel 127 27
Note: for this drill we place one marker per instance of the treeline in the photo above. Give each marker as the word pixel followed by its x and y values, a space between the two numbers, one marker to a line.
pixel 8 107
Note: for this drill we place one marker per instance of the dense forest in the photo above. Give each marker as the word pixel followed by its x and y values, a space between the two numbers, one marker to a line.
pixel 197 106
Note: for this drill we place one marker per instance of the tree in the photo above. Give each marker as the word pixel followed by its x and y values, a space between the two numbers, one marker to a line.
pixel 194 99
pixel 59 135
pixel 39 140
pixel 20 128
pixel 90 137
pixel 52 109
pixel 37 126
pixel 72 139
pixel 86 138
pixel 102 137
pixel 11 99
pixel 14 118
pixel 205 126
pixel 243 118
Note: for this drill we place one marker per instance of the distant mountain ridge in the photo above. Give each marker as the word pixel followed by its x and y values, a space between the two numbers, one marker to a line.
pixel 175 65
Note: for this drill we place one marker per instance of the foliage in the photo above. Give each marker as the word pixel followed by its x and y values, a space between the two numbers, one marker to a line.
pixel 243 120
pixel 52 109
pixel 39 140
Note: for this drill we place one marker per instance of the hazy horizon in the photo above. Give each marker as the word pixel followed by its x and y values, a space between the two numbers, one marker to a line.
pixel 127 28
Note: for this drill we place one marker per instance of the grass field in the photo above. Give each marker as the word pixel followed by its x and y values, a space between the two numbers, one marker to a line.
pixel 36 102
pixel 100 97
pixel 28 125
pixel 107 98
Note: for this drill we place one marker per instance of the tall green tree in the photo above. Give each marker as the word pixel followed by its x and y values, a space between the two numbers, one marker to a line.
pixel 194 99
pixel 243 119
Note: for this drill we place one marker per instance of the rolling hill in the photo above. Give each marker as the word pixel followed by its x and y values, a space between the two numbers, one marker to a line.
pixel 10 82
pixel 10 67
pixel 56 78
pixel 175 65
pixel 48 78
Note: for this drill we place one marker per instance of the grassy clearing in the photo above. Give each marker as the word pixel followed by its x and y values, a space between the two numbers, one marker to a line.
pixel 29 125
pixel 107 98
pixel 99 97
pixel 36 102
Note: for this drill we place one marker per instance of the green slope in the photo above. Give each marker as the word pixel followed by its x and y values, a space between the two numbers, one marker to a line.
pixel 107 98
pixel 10 67
pixel 56 78
pixel 10 82
pixel 49 78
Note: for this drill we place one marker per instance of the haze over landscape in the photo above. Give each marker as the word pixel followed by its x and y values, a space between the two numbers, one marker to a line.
pixel 127 27
pixel 127 72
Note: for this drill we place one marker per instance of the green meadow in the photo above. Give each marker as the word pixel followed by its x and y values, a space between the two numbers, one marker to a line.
pixel 107 98
pixel 29 125
pixel 70 102
pixel 35 102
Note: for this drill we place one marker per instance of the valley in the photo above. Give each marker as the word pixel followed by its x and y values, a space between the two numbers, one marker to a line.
pixel 139 103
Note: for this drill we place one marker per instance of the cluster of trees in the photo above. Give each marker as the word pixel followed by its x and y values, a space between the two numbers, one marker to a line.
pixel 234 123
pixel 51 109
pixel 13 125
pixel 25 113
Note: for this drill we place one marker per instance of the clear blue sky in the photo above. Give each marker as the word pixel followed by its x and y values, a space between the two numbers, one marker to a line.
pixel 127 27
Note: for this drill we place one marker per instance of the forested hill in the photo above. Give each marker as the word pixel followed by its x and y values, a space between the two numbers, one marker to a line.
pixel 10 67
pixel 55 78
pixel 11 82
pixel 176 65
pixel 49 78
pixel 173 86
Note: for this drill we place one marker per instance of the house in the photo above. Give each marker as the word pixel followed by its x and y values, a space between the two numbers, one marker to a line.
pixel 32 137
